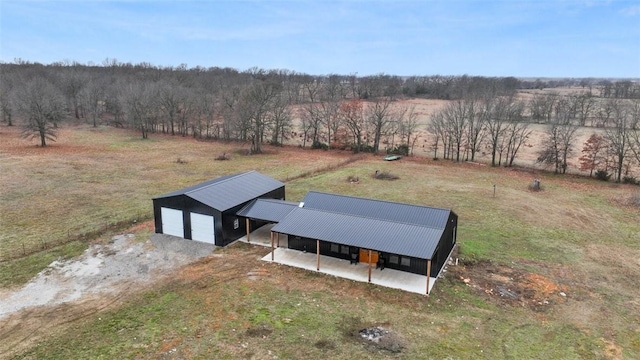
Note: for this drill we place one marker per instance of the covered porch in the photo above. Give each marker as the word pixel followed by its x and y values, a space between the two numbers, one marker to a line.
pixel 363 272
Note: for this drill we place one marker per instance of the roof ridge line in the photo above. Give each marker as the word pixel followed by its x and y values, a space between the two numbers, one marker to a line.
pixel 231 177
pixel 383 201
pixel 372 218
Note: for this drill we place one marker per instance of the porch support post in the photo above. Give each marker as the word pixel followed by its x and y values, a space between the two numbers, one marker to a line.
pixel 369 265
pixel 278 239
pixel 248 231
pixel 318 255
pixel 272 249
pixel 428 274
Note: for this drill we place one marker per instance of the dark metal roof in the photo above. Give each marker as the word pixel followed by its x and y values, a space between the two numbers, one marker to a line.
pixel 271 210
pixel 369 233
pixel 228 191
pixel 378 209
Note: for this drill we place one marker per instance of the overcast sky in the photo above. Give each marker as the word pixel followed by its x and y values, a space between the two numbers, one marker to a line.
pixel 525 38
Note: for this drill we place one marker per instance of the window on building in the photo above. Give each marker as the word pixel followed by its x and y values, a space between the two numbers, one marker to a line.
pixel 404 261
pixel 344 249
pixel 236 223
pixel 335 248
pixel 393 259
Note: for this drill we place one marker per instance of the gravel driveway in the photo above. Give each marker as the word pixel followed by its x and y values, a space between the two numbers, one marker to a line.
pixel 102 268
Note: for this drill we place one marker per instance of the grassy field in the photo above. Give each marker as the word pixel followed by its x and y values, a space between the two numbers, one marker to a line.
pixel 577 237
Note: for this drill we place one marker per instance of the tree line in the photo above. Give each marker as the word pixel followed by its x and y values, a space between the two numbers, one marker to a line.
pixel 259 106
pixel 500 125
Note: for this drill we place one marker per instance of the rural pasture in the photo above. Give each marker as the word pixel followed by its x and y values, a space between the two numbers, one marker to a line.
pixel 550 274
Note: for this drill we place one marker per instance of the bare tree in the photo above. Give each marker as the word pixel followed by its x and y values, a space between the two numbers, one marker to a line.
pixel 584 104
pixel 380 115
pixel 6 100
pixel 94 99
pixel 352 116
pixel 542 107
pixel 617 137
pixel 517 134
pixel 141 107
pixel 73 82
pixel 43 107
pixel 438 129
pixel 256 111
pixel 495 112
pixel 455 116
pixel 634 133
pixel 281 121
pixel 475 127
pixel 558 144
pixel 408 126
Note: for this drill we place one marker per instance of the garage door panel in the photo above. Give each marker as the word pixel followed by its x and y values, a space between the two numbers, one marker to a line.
pixel 172 223
pixel 202 228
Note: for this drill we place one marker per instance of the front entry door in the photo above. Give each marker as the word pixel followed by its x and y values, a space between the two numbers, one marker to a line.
pixel 364 256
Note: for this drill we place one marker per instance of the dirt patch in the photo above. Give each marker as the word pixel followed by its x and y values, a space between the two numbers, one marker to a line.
pixel 510 286
pixel 70 290
pixel 259 332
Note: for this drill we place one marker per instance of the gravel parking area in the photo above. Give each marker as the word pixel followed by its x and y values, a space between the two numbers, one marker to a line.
pixel 103 269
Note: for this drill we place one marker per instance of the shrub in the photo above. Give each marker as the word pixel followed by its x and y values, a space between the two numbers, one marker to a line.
pixel 384 175
pixel 400 150
pixel 535 185
pixel 319 145
pixel 630 180
pixel 603 175
pixel 223 156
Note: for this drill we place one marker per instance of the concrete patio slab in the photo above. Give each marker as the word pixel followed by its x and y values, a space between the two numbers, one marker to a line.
pixel 262 237
pixel 359 272
pixel 338 267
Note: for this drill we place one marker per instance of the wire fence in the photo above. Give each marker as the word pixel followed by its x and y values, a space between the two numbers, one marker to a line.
pixel 60 238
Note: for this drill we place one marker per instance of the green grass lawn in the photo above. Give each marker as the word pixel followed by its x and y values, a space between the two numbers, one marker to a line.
pixel 577 232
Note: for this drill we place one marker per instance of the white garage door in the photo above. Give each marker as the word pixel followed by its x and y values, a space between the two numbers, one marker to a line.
pixel 172 222
pixel 202 228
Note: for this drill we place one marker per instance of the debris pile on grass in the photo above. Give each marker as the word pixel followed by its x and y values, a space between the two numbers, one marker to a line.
pixel 181 161
pixel 374 333
pixel 383 339
pixel 511 286
pixel 353 179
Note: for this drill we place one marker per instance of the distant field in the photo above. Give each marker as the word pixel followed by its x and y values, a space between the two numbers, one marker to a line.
pixel 527 155
pixel 577 237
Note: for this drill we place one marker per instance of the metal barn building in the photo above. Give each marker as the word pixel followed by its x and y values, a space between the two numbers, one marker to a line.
pixel 207 211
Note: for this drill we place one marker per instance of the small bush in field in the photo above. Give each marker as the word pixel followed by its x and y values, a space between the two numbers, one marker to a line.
pixel 630 180
pixel 535 185
pixel 603 175
pixel 384 175
pixel 223 156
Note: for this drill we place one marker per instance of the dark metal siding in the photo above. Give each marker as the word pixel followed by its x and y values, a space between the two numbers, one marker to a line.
pixel 310 245
pixel 229 216
pixel 187 205
pixel 223 222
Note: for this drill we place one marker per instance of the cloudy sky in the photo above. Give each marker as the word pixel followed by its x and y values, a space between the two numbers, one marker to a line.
pixel 526 38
